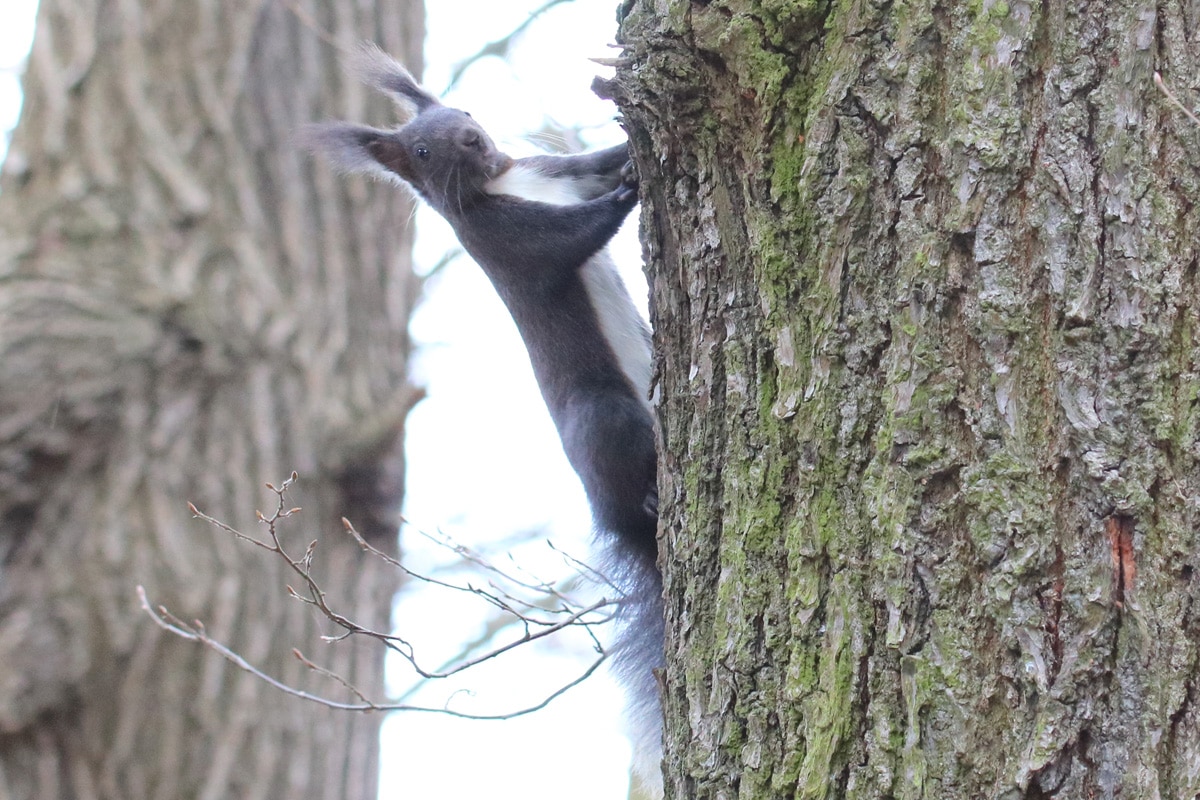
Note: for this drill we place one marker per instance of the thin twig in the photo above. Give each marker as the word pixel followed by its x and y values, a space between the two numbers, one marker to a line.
pixel 309 22
pixel 196 633
pixel 1162 87
pixel 500 47
pixel 333 676
pixel 497 598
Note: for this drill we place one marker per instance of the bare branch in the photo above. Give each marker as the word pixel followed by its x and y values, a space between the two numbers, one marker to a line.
pixel 1162 87
pixel 547 611
pixel 309 22
pixel 228 529
pixel 500 47
pixel 196 633
pixel 332 676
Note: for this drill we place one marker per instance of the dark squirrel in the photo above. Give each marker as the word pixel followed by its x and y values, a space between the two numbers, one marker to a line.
pixel 538 227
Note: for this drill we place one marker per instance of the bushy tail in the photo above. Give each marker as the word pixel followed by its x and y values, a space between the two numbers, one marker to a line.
pixel 637 653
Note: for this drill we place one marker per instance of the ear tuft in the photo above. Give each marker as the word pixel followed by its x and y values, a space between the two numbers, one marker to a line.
pixel 347 147
pixel 379 70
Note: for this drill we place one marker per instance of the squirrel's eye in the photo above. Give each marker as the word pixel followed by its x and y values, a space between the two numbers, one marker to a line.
pixel 422 152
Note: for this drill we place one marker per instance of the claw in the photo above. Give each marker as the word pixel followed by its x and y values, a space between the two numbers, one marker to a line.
pixel 629 174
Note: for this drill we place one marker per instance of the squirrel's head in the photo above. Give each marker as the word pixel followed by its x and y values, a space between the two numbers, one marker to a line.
pixel 441 152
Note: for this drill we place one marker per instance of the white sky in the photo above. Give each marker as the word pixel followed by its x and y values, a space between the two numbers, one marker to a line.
pixel 16 36
pixel 484 461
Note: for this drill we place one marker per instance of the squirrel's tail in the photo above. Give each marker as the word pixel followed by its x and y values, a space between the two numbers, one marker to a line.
pixel 637 654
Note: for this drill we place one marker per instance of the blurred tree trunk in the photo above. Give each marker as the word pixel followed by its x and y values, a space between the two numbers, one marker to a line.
pixel 189 307
pixel 925 295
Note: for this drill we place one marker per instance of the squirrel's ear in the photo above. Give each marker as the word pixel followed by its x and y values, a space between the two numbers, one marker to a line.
pixel 377 69
pixel 356 148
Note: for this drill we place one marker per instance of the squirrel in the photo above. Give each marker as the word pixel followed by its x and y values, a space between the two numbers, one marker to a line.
pixel 539 227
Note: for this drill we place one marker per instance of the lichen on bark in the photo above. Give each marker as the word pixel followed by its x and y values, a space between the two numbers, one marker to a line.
pixel 924 293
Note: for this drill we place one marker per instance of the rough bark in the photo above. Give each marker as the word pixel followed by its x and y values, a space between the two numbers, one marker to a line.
pixel 190 307
pixel 926 306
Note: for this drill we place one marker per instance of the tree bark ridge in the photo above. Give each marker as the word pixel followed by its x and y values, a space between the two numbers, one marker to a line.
pixel 190 307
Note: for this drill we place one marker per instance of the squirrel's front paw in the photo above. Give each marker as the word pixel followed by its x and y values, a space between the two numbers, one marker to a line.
pixel 627 193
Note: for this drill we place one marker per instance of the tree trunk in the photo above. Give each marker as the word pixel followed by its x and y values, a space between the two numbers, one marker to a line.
pixel 926 305
pixel 189 307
